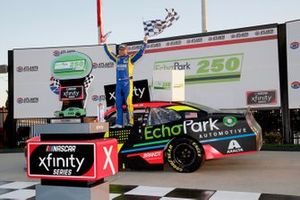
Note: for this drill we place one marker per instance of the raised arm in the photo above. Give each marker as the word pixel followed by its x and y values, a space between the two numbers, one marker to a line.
pixel 111 55
pixel 140 53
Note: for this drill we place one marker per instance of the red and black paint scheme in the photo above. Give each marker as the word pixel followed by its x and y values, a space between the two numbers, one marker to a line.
pixel 183 135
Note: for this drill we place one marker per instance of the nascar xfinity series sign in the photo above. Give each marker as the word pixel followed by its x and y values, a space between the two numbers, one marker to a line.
pixel 62 160
pixel 72 161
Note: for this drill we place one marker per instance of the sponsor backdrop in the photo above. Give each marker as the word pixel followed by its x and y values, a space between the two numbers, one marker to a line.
pixel 233 70
pixel 293 59
pixel 220 70
pixel 35 94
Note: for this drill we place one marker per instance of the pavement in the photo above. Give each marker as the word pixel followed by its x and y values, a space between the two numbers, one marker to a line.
pixel 263 172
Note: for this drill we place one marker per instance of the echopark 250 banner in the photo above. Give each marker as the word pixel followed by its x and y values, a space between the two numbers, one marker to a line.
pixel 219 69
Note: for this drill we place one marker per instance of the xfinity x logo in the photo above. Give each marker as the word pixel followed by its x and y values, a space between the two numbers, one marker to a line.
pixel 234 147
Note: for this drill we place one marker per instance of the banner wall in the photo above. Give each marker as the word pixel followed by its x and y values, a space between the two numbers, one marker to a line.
pixel 33 93
pixel 293 59
pixel 220 70
pixel 233 70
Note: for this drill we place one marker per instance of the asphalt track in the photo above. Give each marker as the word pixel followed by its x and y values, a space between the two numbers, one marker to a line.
pixel 263 172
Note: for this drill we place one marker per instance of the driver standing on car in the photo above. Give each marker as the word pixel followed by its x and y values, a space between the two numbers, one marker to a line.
pixel 124 79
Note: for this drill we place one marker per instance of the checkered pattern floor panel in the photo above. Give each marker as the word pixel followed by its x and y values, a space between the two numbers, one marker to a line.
pixel 26 191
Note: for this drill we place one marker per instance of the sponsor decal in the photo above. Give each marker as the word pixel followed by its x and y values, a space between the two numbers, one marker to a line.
pixel 61 148
pixel 163 131
pixel 264 32
pixel 234 147
pixel 191 115
pixel 140 92
pixel 96 97
pixel 209 69
pixel 71 93
pixel 57 53
pixel 177 65
pixel 295 85
pixel 213 128
pixel 216 38
pixel 261 97
pixel 294 45
pixel 103 65
pixel 152 157
pixel 240 35
pixel 27 100
pixel 33 68
pixel 230 121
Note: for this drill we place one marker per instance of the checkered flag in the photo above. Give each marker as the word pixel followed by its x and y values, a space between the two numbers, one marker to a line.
pixel 157 26
pixel 88 81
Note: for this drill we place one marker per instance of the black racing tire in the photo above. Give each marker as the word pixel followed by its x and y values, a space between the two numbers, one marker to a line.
pixel 61 115
pixel 184 155
pixel 77 115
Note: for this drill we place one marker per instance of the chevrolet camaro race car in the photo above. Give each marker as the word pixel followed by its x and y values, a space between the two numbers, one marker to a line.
pixel 183 135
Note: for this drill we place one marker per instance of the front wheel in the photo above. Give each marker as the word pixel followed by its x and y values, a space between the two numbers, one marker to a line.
pixel 184 155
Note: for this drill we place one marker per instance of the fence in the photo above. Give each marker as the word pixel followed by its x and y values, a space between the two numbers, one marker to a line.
pixel 3 115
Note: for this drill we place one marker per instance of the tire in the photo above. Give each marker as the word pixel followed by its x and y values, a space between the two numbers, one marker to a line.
pixel 184 155
pixel 61 115
pixel 77 115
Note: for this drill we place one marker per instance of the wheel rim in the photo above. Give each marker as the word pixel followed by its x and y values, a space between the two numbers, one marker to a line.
pixel 184 154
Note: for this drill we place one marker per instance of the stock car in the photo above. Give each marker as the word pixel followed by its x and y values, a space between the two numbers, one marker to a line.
pixel 71 112
pixel 183 135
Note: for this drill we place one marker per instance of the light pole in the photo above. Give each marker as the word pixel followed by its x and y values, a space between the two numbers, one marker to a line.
pixel 204 16
pixel 3 69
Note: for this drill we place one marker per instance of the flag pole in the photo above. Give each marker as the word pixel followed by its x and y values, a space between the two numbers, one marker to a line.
pixel 204 16
pixel 99 21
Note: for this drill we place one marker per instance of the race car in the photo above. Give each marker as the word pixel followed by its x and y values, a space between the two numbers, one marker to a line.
pixel 71 112
pixel 183 135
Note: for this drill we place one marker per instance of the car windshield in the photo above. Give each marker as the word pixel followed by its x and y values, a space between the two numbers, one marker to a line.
pixel 202 107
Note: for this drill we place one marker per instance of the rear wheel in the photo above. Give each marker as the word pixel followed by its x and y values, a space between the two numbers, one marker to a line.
pixel 184 155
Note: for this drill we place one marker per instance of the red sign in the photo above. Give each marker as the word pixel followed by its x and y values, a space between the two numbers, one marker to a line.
pixel 81 160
